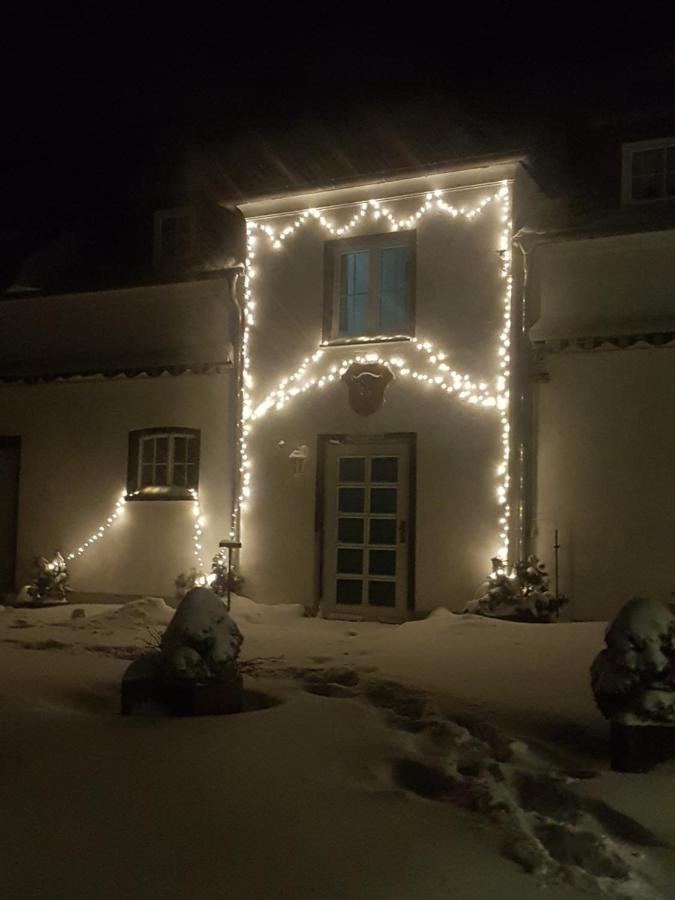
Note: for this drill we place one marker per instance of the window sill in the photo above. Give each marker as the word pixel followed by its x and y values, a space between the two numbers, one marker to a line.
pixel 361 341
pixel 161 493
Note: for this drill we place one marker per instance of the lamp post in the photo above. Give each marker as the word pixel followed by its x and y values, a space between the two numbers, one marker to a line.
pixel 231 545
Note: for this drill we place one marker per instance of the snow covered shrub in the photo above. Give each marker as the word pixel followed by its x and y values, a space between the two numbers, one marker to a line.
pixel 633 678
pixel 523 594
pixel 216 580
pixel 221 575
pixel 185 581
pixel 202 641
pixel 49 583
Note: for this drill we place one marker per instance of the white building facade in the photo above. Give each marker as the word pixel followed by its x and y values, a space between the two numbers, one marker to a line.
pixel 377 475
pixel 603 429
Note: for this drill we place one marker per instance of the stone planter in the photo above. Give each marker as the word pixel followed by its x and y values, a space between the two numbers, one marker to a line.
pixel 638 748
pixel 145 690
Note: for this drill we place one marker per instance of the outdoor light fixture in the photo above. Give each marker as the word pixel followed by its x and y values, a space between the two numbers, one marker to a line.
pixel 298 457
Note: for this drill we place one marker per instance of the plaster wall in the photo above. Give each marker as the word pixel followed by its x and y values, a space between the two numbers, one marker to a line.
pixel 74 444
pixel 456 511
pixel 628 276
pixel 605 476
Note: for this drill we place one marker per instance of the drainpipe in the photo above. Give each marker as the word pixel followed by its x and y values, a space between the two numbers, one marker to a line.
pixel 525 241
pixel 237 401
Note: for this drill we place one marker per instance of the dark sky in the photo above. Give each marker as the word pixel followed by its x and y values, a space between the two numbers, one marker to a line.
pixel 104 87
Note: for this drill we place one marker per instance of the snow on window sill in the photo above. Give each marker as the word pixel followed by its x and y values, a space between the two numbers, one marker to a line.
pixel 161 493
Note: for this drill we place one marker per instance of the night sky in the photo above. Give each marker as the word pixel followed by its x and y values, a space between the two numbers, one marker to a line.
pixel 97 97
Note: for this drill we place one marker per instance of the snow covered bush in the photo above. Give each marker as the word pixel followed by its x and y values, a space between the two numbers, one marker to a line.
pixel 523 594
pixel 633 678
pixel 185 581
pixel 221 575
pixel 216 580
pixel 202 641
pixel 50 582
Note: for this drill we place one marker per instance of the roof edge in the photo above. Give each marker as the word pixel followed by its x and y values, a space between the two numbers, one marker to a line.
pixel 460 164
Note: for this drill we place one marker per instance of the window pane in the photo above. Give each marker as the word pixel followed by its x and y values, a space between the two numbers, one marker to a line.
pixel 352 468
pixel 179 475
pixel 147 474
pixel 191 449
pixel 350 500
pixel 382 593
pixel 394 289
pixel 382 562
pixel 647 187
pixel 161 448
pixel 350 562
pixel 383 531
pixel 354 293
pixel 348 591
pixel 384 468
pixel 350 531
pixel 383 500
pixel 147 450
pixel 179 449
pixel 191 476
pixel 648 162
pixel 160 475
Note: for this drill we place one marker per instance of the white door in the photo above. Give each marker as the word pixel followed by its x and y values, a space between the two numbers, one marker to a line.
pixel 366 530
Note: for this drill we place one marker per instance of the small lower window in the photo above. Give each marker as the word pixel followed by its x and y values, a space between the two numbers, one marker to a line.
pixel 163 463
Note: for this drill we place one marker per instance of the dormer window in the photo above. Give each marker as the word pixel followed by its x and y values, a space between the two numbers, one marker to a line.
pixel 648 171
pixel 174 234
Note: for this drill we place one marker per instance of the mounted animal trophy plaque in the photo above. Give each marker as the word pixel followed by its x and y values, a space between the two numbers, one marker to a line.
pixel 367 383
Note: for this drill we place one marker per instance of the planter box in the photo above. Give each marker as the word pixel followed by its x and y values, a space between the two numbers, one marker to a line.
pixel 638 748
pixel 145 691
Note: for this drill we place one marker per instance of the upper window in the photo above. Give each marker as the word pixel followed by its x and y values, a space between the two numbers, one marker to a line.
pixel 648 171
pixel 369 289
pixel 174 234
pixel 163 463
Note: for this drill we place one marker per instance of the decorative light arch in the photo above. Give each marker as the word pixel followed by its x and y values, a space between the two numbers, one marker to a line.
pixel 479 394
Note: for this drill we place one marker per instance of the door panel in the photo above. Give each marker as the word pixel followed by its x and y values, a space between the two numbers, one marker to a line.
pixel 9 496
pixel 365 535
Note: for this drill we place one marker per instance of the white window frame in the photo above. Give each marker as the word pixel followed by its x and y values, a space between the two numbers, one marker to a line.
pixel 161 217
pixel 627 153
pixel 374 244
pixel 168 490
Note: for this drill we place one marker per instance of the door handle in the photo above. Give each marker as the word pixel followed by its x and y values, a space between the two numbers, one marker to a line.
pixel 401 531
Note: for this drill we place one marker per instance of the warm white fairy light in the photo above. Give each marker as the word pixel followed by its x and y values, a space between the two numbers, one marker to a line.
pixel 102 528
pixel 197 531
pixel 99 533
pixel 437 372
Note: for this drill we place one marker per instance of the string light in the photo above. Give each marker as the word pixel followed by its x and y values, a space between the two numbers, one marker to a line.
pixel 438 373
pixel 197 532
pixel 102 528
pixel 197 528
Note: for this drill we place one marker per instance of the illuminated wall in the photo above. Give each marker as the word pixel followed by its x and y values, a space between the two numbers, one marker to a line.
pixel 451 383
pixel 604 417
pixel 74 443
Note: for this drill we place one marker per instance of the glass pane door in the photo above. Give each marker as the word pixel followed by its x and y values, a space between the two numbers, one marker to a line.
pixel 365 521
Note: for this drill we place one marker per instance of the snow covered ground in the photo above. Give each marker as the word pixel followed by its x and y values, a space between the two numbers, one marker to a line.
pixel 452 757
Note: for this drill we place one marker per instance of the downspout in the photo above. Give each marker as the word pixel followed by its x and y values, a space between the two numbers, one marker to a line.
pixel 525 241
pixel 237 404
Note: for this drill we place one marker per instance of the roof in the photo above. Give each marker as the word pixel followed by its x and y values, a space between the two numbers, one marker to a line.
pixel 464 172
pixel 171 328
